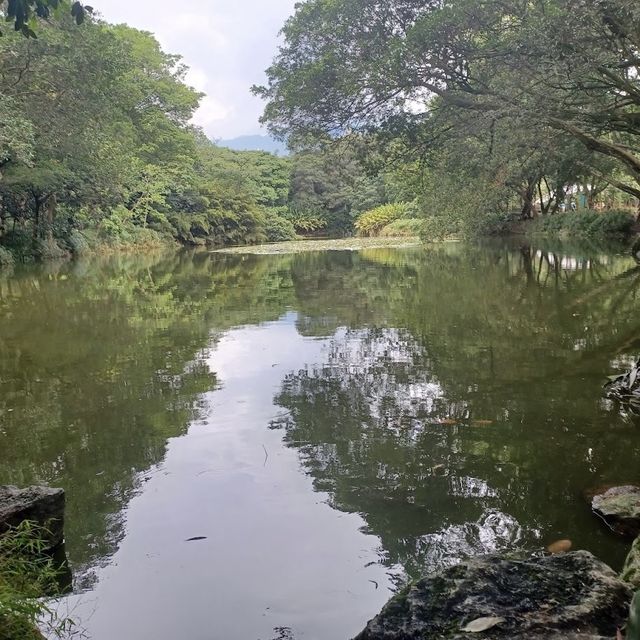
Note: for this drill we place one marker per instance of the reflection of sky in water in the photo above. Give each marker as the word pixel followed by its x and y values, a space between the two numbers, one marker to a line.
pixel 272 543
pixel 381 363
pixel 275 554
pixel 432 404
pixel 494 532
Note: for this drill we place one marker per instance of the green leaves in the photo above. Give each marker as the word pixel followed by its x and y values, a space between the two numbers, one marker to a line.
pixel 633 626
pixel 394 67
pixel 370 223
pixel 22 13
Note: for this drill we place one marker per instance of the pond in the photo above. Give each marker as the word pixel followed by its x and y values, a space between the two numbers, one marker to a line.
pixel 265 446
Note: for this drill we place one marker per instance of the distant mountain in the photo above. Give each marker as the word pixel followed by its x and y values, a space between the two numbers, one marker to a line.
pixel 254 143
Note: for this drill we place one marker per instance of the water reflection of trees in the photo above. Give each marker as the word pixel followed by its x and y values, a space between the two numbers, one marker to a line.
pixel 436 431
pixel 102 361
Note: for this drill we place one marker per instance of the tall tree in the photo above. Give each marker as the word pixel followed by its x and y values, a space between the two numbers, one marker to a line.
pixel 353 65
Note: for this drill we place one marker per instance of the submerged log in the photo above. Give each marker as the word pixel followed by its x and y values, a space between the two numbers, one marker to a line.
pixel 564 596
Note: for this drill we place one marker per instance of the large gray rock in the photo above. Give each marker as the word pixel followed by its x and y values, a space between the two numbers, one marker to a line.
pixel 564 596
pixel 620 509
pixel 42 505
pixel 631 570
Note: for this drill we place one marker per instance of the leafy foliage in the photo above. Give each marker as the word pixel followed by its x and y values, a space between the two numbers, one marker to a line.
pixel 23 13
pixel 279 229
pixel 6 258
pixel 403 227
pixel 502 105
pixel 588 223
pixel 122 165
pixel 370 223
pixel 26 574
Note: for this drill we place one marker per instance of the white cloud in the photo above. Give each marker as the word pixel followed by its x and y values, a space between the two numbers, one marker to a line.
pixel 211 113
pixel 197 78
pixel 227 46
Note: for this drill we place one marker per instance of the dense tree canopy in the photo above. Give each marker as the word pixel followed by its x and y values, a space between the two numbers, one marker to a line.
pixel 531 92
pixel 465 113
pixel 97 148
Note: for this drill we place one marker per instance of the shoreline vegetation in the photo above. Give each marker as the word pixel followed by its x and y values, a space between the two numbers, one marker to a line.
pixel 600 227
pixel 123 169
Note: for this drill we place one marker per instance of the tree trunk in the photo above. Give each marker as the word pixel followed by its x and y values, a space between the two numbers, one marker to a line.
pixel 527 194
pixel 51 214
pixel 36 218
pixel 3 218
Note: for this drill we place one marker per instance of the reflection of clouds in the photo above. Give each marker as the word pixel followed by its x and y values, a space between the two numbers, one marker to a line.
pixel 623 362
pixel 383 365
pixel 465 487
pixel 492 533
pixel 570 263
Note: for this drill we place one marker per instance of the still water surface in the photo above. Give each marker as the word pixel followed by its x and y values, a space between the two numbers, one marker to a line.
pixel 327 423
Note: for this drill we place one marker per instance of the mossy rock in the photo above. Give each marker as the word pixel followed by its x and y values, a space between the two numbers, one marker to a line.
pixel 43 506
pixel 631 570
pixel 564 596
pixel 619 507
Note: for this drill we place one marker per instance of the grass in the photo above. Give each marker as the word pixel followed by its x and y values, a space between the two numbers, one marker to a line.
pixel 27 574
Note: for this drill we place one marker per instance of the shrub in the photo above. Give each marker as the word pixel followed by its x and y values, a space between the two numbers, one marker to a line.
pixel 279 230
pixel 116 227
pixel 20 243
pixel 587 223
pixel 403 227
pixel 49 249
pixel 370 223
pixel 304 221
pixel 26 575
pixel 496 223
pixel 6 258
pixel 78 243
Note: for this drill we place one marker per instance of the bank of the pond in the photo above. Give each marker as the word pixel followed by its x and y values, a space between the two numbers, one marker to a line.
pixel 32 561
pixel 555 592
pixel 84 244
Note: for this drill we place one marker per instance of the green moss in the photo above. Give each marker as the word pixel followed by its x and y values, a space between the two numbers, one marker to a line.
pixel 631 570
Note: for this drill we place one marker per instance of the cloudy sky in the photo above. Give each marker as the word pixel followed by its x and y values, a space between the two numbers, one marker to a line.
pixel 226 43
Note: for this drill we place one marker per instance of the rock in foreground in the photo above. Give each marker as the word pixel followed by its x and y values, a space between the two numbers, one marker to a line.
pixel 41 505
pixel 620 509
pixel 565 596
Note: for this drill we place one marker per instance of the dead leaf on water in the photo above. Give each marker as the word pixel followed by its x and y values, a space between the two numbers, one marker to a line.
pixel 482 624
pixel 560 546
pixel 438 469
